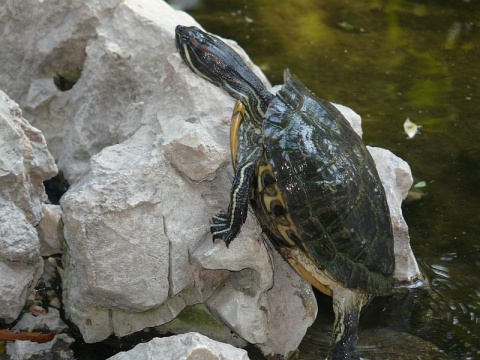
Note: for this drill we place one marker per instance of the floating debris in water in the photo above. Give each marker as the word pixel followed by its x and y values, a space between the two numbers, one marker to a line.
pixel 410 128
pixel 453 35
pixel 420 184
pixel 346 26
pixel 458 35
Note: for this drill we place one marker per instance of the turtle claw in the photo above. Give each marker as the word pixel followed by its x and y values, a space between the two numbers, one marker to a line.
pixel 220 228
pixel 220 218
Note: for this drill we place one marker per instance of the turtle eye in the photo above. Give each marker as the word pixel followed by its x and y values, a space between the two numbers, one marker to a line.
pixel 181 39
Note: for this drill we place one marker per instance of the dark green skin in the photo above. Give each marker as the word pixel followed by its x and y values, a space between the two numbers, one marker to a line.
pixel 331 188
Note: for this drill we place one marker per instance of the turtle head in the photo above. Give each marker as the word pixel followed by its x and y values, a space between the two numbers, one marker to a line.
pixel 215 61
pixel 206 55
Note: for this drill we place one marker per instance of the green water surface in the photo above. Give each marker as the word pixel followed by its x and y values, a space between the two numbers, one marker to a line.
pixel 389 61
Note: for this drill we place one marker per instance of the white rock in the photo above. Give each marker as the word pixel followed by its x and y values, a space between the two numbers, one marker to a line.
pixel 18 238
pixel 16 279
pixel 397 180
pixel 191 346
pixel 353 118
pixel 247 251
pixel 241 302
pixel 205 156
pixel 24 164
pixel 50 230
pixel 87 39
pixel 134 220
pixel 50 320
pixel 286 302
pixel 58 348
pixel 118 248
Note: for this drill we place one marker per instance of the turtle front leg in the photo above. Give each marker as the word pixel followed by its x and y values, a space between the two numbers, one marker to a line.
pixel 226 226
pixel 347 305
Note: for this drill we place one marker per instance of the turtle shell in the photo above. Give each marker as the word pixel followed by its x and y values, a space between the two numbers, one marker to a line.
pixel 317 190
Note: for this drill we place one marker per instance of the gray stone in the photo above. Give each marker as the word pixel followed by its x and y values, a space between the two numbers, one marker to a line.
pixel 58 348
pixel 144 183
pixel 50 320
pixel 204 155
pixel 286 302
pixel 18 238
pixel 198 318
pixel 118 250
pixel 353 118
pixel 241 302
pixel 191 346
pixel 24 164
pixel 16 280
pixel 397 180
pixel 85 43
pixel 50 230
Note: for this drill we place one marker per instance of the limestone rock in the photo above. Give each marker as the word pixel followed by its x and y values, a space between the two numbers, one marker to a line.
pixel 118 247
pixel 353 118
pixel 24 164
pixel 50 230
pixel 16 279
pixel 58 348
pixel 251 278
pixel 189 346
pixel 50 320
pixel 397 179
pixel 138 214
pixel 197 318
pixel 286 302
pixel 18 238
pixel 195 144
pixel 85 77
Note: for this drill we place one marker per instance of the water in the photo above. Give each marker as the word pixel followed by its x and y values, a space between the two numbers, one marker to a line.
pixel 389 61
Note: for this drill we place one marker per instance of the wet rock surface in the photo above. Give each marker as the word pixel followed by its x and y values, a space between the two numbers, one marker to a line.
pixel 374 344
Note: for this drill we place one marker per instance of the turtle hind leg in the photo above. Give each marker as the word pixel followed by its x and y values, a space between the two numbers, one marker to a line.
pixel 347 305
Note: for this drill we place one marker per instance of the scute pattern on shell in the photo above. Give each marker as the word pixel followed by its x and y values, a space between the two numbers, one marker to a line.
pixel 331 189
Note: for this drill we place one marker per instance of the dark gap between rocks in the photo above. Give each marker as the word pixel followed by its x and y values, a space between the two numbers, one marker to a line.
pixel 56 187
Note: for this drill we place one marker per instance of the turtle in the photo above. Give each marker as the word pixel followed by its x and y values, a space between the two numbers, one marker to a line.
pixel 310 180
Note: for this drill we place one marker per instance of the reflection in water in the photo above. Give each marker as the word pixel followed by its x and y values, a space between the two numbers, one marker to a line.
pixel 392 60
pixel 453 309
pixel 373 344
pixel 384 331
